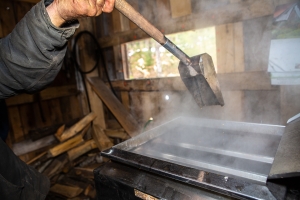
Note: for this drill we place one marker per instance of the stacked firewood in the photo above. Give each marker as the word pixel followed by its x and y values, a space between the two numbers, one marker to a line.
pixel 70 155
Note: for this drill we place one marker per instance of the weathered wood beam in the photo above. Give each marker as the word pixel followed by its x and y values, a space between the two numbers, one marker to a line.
pixel 101 139
pixel 47 94
pixel 115 106
pixel 76 128
pixel 230 13
pixel 258 80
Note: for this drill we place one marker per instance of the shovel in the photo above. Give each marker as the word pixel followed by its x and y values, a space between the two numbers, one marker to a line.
pixel 197 73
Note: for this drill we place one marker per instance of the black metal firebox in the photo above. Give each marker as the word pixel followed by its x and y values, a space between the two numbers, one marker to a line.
pixel 190 158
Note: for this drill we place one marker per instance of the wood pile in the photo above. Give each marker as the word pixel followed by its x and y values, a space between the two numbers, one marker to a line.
pixel 69 155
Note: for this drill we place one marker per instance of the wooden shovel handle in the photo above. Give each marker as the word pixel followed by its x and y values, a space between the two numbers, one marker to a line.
pixel 127 10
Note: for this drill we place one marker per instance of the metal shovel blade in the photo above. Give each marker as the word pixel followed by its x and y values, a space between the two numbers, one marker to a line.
pixel 201 80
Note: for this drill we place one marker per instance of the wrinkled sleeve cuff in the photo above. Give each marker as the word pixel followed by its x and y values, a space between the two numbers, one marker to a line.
pixel 66 31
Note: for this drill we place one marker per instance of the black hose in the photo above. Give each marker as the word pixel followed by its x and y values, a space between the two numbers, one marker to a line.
pixel 78 36
pixel 98 52
pixel 82 72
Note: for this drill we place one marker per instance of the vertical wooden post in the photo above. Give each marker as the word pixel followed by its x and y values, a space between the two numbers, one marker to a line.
pixel 95 102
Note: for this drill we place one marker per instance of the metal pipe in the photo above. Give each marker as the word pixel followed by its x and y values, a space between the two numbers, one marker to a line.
pixel 170 46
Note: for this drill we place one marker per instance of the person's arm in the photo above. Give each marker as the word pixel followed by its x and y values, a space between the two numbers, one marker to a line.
pixel 62 11
pixel 32 55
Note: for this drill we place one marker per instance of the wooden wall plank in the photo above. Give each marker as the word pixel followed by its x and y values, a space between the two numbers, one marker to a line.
pixel 118 63
pixel 16 124
pixel 66 108
pixel 147 106
pixel 1 31
pixel 61 91
pixel 7 17
pixel 230 48
pixel 125 23
pixel 150 104
pixel 76 111
pixel 225 48
pixel 125 100
pixel 46 94
pixel 180 8
pixel 20 99
pixel 259 80
pixel 39 116
pixel 147 10
pixel 239 65
pixel 228 13
pixel 21 8
pixel 95 103
pixel 127 121
pixel 206 5
pixel 47 113
pixel 116 21
pixel 108 24
pixel 56 115
pixel 136 108
pixel 27 118
pixel 163 12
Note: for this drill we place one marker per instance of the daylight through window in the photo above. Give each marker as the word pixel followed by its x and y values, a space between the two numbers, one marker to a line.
pixel 148 59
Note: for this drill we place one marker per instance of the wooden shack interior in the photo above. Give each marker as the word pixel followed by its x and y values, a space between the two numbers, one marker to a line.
pixel 62 129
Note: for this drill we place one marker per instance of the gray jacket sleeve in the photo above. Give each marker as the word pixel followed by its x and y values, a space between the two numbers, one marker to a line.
pixel 32 55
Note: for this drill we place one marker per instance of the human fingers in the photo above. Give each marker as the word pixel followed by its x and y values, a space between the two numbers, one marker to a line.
pixel 99 6
pixel 108 6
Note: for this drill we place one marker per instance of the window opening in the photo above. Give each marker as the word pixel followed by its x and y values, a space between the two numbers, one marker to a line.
pixel 148 59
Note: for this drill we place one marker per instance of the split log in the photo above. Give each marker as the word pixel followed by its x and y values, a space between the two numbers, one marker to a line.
pixel 119 133
pixel 88 161
pixel 80 150
pixel 39 133
pixel 115 106
pixel 44 166
pixel 63 147
pixel 101 139
pixel 76 128
pixel 60 131
pixel 36 158
pixel 56 166
pixel 29 145
pixel 43 132
pixel 67 191
pixel 90 191
pixel 74 183
pixel 85 172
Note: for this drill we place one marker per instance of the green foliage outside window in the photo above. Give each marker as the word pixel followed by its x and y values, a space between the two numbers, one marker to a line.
pixel 148 59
